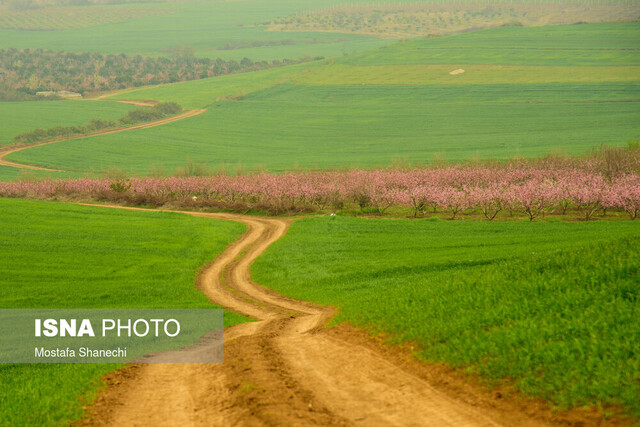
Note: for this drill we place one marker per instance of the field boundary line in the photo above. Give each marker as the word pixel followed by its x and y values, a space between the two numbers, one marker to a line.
pixel 6 151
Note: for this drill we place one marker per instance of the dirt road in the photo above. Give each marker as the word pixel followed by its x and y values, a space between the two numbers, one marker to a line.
pixel 6 151
pixel 286 369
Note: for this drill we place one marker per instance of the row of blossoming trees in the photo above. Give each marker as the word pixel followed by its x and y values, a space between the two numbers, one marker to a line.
pixel 527 189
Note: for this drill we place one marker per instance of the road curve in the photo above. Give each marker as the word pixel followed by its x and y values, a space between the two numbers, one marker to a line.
pixel 283 369
pixel 6 151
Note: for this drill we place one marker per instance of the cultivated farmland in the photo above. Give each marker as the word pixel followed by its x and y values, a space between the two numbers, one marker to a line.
pixel 561 45
pixel 435 18
pixel 524 101
pixel 336 126
pixel 209 27
pixel 20 117
pixel 9 173
pixel 77 256
pixel 447 193
pixel 548 306
pixel 70 18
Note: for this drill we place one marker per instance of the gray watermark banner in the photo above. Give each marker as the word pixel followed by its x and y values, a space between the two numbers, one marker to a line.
pixel 111 335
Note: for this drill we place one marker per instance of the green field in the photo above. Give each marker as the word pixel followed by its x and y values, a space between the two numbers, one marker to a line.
pixel 550 307
pixel 566 45
pixel 341 74
pixel 9 173
pixel 19 117
pixel 202 93
pixel 329 126
pixel 437 18
pixel 206 26
pixel 569 88
pixel 69 18
pixel 595 53
pixel 58 255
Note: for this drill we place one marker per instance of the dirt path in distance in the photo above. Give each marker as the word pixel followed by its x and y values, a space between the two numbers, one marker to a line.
pixel 286 369
pixel 137 103
pixel 97 96
pixel 8 150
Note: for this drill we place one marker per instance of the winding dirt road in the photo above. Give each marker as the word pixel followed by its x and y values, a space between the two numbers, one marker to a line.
pixel 286 369
pixel 12 149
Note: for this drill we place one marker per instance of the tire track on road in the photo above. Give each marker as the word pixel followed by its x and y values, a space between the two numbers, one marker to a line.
pixel 283 369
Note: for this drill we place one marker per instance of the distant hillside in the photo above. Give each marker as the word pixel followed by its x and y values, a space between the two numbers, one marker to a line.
pixel 39 4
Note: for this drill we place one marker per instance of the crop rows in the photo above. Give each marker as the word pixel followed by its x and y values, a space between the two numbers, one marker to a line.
pixel 71 18
pixel 397 20
pixel 532 191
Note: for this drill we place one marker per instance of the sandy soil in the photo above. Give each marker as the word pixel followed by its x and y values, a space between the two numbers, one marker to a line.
pixel 288 369
pixel 12 149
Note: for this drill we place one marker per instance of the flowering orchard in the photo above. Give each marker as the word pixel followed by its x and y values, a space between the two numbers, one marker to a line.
pixel 530 190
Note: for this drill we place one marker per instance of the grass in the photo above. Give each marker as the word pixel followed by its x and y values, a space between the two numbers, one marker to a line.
pixel 546 307
pixel 202 93
pixel 341 74
pixel 333 126
pixel 67 18
pixel 58 255
pixel 397 20
pixel 565 45
pixel 9 173
pixel 20 117
pixel 597 53
pixel 525 92
pixel 204 25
